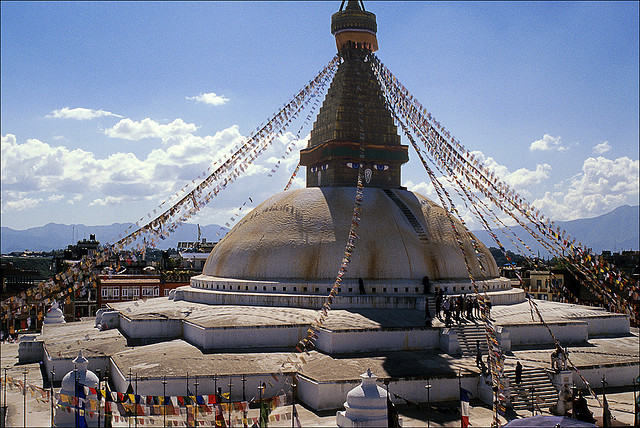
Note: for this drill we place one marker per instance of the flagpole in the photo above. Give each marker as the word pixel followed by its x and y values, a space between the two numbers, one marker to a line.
pixel 428 388
pixel 460 398
pixel 129 389
pixel 195 409
pixel 293 400
pixel 606 413
pixel 53 372
pixel 244 399
pixel 186 406
pixel 261 386
pixel 230 385
pixel 98 396
pixel 135 399
pixel 164 400
pixel 75 393
pixel 24 395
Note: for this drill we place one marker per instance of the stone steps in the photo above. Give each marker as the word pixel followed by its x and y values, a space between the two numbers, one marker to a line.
pixel 411 218
pixel 543 389
pixel 468 334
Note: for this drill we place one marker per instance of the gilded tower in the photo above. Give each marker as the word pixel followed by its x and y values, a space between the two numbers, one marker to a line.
pixel 354 114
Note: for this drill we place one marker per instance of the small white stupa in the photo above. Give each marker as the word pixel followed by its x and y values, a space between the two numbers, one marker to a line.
pixel 69 407
pixel 54 315
pixel 366 405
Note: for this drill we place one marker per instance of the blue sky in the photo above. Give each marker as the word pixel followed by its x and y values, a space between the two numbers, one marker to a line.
pixel 101 120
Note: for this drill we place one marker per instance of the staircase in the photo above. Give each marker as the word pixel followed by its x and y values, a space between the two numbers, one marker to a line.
pixel 468 334
pixel 542 389
pixel 413 221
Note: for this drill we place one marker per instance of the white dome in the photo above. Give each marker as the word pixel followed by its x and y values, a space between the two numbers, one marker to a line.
pixel 83 376
pixel 301 234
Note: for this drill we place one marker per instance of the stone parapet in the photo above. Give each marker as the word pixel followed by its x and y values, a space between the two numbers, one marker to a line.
pixel 393 294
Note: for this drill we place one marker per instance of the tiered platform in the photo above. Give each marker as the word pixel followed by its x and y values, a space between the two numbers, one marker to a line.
pixel 164 337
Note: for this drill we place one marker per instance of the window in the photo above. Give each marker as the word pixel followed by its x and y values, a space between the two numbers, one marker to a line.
pixel 166 293
pixel 539 283
pixel 149 291
pixel 110 293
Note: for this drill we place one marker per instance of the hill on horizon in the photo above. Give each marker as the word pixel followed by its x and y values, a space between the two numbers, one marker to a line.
pixel 54 236
pixel 617 230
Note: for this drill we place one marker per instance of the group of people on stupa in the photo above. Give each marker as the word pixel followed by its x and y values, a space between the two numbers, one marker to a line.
pixel 456 308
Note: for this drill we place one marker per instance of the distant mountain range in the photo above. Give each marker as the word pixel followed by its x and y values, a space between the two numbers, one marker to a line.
pixel 55 236
pixel 615 231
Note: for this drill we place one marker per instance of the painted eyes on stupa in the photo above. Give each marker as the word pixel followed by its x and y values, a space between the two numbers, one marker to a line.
pixel 319 168
pixel 377 167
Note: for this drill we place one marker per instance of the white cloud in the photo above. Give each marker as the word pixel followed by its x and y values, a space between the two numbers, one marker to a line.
pixel 109 200
pixel 35 169
pixel 521 178
pixel 423 188
pixel 210 98
pixel 76 198
pixel 80 113
pixel 603 185
pixel 17 201
pixel 601 148
pixel 548 143
pixel 147 128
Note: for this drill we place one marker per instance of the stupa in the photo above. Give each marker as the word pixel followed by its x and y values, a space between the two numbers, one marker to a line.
pixel 366 405
pixel 54 315
pixel 239 321
pixel 73 385
pixel 293 243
